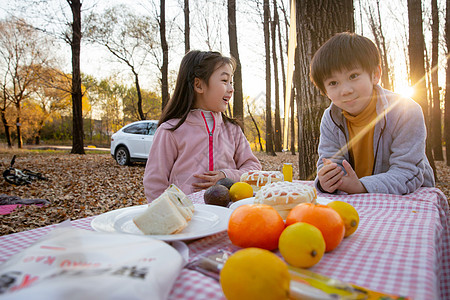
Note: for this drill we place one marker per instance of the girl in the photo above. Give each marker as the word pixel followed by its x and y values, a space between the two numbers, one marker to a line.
pixel 195 144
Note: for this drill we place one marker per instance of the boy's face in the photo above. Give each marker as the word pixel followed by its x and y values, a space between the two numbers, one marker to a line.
pixel 351 90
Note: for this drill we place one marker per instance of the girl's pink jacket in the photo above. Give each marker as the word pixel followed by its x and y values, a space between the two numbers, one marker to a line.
pixel 176 156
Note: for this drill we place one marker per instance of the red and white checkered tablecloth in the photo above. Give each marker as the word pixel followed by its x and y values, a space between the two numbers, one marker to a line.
pixel 402 246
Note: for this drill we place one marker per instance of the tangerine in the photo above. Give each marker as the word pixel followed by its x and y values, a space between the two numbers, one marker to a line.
pixel 326 219
pixel 255 225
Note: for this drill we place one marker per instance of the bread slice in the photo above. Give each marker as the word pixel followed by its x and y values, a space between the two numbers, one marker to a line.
pixel 180 200
pixel 161 217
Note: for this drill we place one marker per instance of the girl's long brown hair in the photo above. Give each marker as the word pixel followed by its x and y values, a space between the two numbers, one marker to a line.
pixel 195 64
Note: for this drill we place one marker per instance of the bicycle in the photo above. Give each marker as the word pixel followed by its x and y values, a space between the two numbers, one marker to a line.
pixel 21 177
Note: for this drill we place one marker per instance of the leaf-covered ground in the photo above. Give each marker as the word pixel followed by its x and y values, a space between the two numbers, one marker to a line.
pixel 91 184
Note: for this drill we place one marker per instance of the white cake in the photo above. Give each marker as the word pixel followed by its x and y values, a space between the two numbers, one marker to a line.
pixel 285 195
pixel 258 179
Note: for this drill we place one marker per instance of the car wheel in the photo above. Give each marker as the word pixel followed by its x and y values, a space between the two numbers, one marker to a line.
pixel 122 156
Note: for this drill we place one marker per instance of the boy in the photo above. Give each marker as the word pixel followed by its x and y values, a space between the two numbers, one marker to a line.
pixel 371 140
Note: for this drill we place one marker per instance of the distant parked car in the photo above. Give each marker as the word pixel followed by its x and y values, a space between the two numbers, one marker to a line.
pixel 133 142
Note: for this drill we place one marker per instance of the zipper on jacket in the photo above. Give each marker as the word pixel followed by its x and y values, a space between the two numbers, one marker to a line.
pixel 378 144
pixel 210 143
pixel 341 128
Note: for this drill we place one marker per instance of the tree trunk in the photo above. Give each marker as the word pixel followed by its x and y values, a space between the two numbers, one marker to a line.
pixel 375 26
pixel 313 29
pixel 292 122
pixel 256 126
pixel 436 108
pixel 283 71
pixel 277 135
pixel 18 126
pixel 447 85
pixel 77 129
pixel 165 50
pixel 6 126
pixel 417 65
pixel 238 99
pixel 269 130
pixel 187 28
pixel 384 59
pixel 139 94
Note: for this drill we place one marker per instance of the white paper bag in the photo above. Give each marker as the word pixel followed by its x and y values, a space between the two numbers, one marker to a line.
pixel 81 264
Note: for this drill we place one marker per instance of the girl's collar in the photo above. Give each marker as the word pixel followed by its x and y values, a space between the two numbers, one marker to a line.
pixel 202 110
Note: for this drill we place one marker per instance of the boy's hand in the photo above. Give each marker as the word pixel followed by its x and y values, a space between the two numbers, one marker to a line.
pixel 350 182
pixel 330 176
pixel 210 178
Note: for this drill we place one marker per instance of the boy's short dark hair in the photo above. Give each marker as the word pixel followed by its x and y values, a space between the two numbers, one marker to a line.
pixel 342 52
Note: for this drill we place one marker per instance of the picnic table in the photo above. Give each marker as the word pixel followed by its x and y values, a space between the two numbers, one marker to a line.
pixel 402 247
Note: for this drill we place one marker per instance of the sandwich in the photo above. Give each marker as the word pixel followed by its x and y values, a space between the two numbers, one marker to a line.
pixel 167 214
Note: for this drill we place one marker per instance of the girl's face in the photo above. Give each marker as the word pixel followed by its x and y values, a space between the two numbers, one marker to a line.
pixel 215 95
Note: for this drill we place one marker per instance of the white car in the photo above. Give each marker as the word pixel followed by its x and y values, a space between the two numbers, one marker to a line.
pixel 133 142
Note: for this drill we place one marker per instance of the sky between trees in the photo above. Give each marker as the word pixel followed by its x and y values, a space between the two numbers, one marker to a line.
pixel 209 32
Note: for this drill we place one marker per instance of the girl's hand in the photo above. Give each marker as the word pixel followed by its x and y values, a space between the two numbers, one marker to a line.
pixel 210 178
pixel 350 182
pixel 330 176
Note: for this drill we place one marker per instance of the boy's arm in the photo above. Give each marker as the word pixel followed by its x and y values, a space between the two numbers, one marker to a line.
pixel 329 151
pixel 406 161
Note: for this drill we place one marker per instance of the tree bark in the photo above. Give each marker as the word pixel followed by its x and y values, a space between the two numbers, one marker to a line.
pixel 3 117
pixel 77 130
pixel 417 65
pixel 18 126
pixel 447 85
pixel 283 71
pixel 277 135
pixel 256 126
pixel 436 131
pixel 314 27
pixel 165 50
pixel 385 65
pixel 292 122
pixel 269 130
pixel 6 126
pixel 187 28
pixel 139 94
pixel 238 99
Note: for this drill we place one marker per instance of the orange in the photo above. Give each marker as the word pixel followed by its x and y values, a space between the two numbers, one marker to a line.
pixel 254 273
pixel 326 219
pixel 240 190
pixel 255 225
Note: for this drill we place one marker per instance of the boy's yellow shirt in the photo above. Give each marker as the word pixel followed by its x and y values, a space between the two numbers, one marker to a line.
pixel 361 129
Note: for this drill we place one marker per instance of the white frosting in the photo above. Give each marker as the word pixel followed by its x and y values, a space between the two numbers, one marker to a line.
pixel 264 177
pixel 286 189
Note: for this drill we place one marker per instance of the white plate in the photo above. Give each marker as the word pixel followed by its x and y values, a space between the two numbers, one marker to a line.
pixel 234 205
pixel 207 220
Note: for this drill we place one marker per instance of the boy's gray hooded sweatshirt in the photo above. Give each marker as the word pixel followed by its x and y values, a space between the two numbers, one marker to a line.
pixel 400 165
